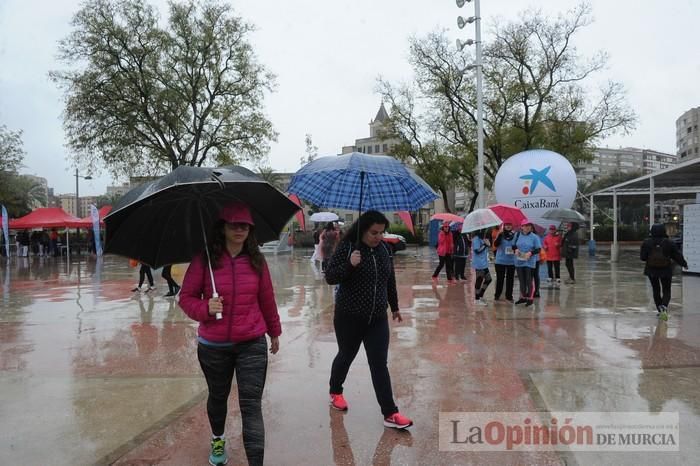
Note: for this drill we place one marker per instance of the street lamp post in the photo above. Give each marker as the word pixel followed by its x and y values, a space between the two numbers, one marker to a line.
pixel 77 196
pixel 77 205
pixel 461 22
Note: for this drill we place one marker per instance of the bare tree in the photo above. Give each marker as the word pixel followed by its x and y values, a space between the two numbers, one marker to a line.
pixel 535 95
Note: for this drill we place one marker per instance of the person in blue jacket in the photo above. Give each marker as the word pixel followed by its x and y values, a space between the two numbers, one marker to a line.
pixel 480 262
pixel 526 247
pixel 505 262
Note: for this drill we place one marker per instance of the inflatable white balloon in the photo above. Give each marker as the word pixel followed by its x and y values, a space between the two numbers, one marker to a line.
pixel 536 181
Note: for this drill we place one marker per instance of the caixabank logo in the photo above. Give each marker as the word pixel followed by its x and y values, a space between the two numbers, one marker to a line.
pixel 536 181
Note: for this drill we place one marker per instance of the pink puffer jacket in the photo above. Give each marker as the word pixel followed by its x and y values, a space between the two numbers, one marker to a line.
pixel 249 308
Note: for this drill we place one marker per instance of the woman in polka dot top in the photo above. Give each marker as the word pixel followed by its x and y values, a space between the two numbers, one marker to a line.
pixel 364 273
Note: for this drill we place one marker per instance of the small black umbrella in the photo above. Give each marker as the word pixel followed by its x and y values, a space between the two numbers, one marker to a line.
pixel 166 221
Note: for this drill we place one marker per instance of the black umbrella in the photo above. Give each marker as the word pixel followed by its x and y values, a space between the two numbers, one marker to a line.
pixel 166 221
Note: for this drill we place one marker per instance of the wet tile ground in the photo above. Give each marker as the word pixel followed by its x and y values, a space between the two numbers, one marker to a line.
pixel 93 374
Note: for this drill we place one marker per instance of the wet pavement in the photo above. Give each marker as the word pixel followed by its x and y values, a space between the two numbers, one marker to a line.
pixel 93 374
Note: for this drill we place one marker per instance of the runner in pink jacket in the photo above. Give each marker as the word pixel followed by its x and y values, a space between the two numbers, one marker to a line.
pixel 235 342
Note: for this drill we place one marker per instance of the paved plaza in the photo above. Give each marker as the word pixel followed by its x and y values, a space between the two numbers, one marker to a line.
pixel 91 373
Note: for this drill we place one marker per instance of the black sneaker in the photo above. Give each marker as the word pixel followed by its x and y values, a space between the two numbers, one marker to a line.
pixel 521 301
pixel 169 294
pixel 528 303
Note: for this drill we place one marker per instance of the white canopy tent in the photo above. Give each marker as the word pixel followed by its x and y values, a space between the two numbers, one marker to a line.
pixel 682 181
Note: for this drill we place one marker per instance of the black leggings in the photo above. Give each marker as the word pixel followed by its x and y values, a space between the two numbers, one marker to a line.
pixel 661 287
pixel 506 272
pixel 483 280
pixel 351 332
pixel 460 267
pixel 525 279
pixel 554 270
pixel 249 362
pixel 145 271
pixel 447 262
pixel 167 276
pixel 570 268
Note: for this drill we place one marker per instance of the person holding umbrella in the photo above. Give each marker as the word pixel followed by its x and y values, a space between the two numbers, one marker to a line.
pixel 364 273
pixel 526 246
pixel 570 250
pixel 505 262
pixel 480 262
pixel 445 250
pixel 552 247
pixel 235 342
pixel 462 245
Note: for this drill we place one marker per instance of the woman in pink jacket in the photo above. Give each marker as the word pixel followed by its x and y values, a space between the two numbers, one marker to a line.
pixel 445 250
pixel 236 340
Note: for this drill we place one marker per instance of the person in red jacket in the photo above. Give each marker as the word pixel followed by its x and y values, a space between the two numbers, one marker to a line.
pixel 445 250
pixel 552 247
pixel 233 340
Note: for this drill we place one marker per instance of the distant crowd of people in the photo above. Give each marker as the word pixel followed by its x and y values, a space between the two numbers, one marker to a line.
pixel 515 253
pixel 46 242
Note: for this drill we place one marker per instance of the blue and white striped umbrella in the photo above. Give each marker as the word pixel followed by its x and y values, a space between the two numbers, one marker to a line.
pixel 361 182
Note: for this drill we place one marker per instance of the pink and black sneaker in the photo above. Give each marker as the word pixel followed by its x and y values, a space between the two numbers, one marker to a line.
pixel 397 421
pixel 337 401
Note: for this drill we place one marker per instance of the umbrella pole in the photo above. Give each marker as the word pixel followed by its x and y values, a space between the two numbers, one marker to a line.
pixel 211 272
pixel 362 186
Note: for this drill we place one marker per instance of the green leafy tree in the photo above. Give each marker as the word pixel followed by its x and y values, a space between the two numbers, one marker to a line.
pixel 143 97
pixel 11 150
pixel 536 95
pixel 106 199
pixel 269 174
pixel 310 151
pixel 18 194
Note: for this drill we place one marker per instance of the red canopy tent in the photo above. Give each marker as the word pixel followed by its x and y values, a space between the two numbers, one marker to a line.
pixel 44 217
pixel 86 222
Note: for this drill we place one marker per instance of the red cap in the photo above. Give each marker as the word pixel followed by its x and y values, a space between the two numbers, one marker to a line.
pixel 552 227
pixel 446 223
pixel 236 212
pixel 524 222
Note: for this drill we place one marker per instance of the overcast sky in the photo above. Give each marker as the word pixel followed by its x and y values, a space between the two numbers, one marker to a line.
pixel 327 55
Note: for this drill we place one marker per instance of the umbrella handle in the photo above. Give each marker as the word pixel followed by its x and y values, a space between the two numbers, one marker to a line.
pixel 219 315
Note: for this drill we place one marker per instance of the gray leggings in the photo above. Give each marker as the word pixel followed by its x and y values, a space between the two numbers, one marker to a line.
pixel 249 361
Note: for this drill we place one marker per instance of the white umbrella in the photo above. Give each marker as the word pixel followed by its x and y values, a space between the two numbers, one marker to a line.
pixel 324 217
pixel 480 219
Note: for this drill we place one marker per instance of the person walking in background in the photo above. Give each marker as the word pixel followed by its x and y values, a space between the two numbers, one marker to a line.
pixel 364 273
pixel 526 246
pixel 173 287
pixel 461 241
pixel 552 245
pixel 145 271
pixel 44 242
pixel 328 242
pixel 53 238
pixel 445 251
pixel 570 250
pixel 316 256
pixel 659 253
pixel 480 263
pixel 505 262
pixel 234 343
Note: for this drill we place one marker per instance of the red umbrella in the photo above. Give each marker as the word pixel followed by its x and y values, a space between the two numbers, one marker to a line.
pixel 448 217
pixel 508 213
pixel 405 216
